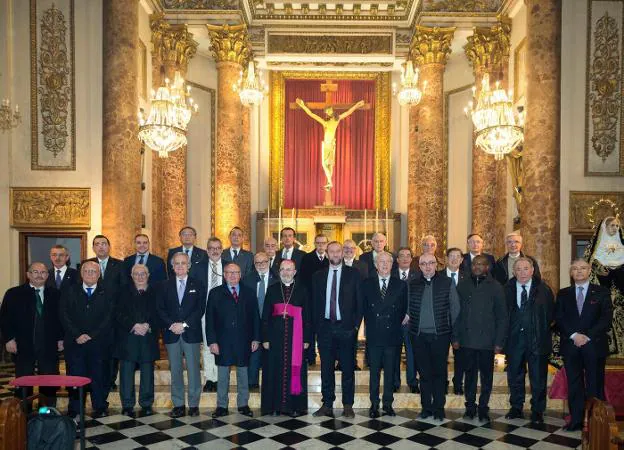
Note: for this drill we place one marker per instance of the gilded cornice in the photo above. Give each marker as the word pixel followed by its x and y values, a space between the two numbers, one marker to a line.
pixel 488 47
pixel 173 44
pixel 328 44
pixel 431 45
pixel 229 43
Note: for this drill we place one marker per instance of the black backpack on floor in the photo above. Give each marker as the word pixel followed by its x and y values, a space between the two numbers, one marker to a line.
pixel 51 431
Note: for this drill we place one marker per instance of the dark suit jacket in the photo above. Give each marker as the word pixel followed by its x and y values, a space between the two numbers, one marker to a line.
pixel 245 260
pixel 17 320
pixel 500 271
pixel 199 261
pixel 83 315
pixel 296 256
pixel 155 265
pixel 396 272
pixel 276 265
pixel 594 321
pixel 361 267
pixel 190 310
pixel 367 258
pixel 233 325
pixel 114 277
pixel 349 298
pixel 383 317
pixel 72 276
pixel 252 280
pixel 461 274
pixel 466 264
pixel 310 264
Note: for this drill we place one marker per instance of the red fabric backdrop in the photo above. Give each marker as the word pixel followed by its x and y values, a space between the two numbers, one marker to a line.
pixel 354 172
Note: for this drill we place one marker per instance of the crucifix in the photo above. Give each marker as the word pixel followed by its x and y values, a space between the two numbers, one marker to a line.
pixel 329 124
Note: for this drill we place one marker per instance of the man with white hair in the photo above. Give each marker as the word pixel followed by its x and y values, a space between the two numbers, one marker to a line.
pixel 503 269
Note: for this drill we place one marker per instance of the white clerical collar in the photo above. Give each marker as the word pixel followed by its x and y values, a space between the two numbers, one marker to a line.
pixel 517 255
pixel 287 284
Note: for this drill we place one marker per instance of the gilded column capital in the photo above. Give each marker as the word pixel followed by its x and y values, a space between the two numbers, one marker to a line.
pixel 488 47
pixel 431 45
pixel 230 43
pixel 173 44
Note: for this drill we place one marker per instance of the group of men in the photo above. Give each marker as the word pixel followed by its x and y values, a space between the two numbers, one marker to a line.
pixel 220 306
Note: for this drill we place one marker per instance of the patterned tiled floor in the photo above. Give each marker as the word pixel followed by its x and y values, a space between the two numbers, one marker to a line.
pixel 405 431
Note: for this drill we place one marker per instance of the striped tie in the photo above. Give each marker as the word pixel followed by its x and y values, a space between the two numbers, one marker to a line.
pixel 384 288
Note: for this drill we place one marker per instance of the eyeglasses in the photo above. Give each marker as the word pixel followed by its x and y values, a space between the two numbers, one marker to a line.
pixel 264 261
pixel 91 271
pixel 38 272
pixel 428 263
pixel 228 272
pixel 139 274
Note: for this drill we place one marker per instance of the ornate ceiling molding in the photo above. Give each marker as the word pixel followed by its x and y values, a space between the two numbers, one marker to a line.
pixel 470 6
pixel 330 44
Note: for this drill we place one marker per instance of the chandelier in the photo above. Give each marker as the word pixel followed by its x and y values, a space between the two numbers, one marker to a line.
pixel 171 109
pixel 409 94
pixel 250 86
pixel 497 129
pixel 9 119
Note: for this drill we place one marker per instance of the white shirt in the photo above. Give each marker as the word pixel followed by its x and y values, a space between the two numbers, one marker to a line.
pixel 85 286
pixel 320 257
pixel 232 250
pixel 217 274
pixel 330 278
pixel 404 271
pixel 62 269
pixel 190 251
pixel 387 278
pixel 519 285
pixel 41 289
pixel 137 257
pixel 287 253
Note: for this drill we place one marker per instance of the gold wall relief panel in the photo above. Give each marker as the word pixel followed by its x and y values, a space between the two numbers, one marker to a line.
pixel 52 88
pixel 587 209
pixel 219 5
pixel 481 6
pixel 328 44
pixel 68 208
pixel 604 150
pixel 382 130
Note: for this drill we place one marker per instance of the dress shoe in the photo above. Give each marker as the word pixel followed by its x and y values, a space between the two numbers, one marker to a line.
pixel 514 413
pixel 439 416
pixel 470 413
pixel 458 390
pixel 338 367
pixel 178 411
pixel 389 411
pixel 537 418
pixel 147 411
pixel 484 416
pixel 208 386
pixel 424 414
pixel 219 412
pixel 396 389
pixel 324 411
pixel 294 414
pixel 113 386
pixel 348 412
pixel 573 427
pixel 275 413
pixel 99 413
pixel 373 412
pixel 254 386
pixel 193 411
pixel 129 412
pixel 245 411
pixel 414 389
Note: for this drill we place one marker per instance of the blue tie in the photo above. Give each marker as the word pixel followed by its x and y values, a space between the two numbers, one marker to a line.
pixel 58 280
pixel 89 292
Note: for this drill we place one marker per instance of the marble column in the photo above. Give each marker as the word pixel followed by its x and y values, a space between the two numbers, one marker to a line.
pixel 488 51
pixel 173 48
pixel 541 153
pixel 232 206
pixel 426 197
pixel 121 158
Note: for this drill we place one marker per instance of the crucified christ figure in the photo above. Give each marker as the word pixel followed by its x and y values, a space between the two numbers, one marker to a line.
pixel 328 149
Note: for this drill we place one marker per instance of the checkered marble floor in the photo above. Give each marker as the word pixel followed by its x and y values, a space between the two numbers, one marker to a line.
pixel 405 431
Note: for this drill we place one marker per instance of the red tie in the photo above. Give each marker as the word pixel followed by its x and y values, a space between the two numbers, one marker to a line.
pixel 234 294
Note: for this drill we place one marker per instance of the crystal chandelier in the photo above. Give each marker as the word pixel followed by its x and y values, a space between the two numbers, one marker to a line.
pixel 497 129
pixel 171 109
pixel 9 119
pixel 409 94
pixel 250 86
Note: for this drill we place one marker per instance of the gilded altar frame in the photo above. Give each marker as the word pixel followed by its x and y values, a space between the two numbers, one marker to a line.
pixel 382 130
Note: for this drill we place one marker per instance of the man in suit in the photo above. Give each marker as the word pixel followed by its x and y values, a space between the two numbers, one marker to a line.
pixel 349 248
pixel 310 264
pixel 531 306
pixel 384 300
pixel 337 313
pixel 31 329
pixel 453 271
pixel 198 257
pixel 378 241
pixel 475 248
pixel 270 248
pixel 583 315
pixel 236 253
pixel 288 250
pixel 503 269
pixel 429 246
pixel 404 273
pixel 233 333
pixel 155 264
pixel 433 312
pixel 259 281
pixel 86 315
pixel 61 275
pixel 482 331
pixel 181 307
pixel 214 278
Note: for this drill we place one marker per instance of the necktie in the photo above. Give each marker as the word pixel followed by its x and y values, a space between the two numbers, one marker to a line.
pixel 333 297
pixel 403 276
pixel 261 293
pixel 58 280
pixel 141 291
pixel 181 291
pixel 102 268
pixel 89 292
pixel 453 280
pixel 270 263
pixel 39 304
pixel 235 254
pixel 213 280
pixel 188 252
pixel 234 294
pixel 141 259
pixel 286 256
pixel 384 288
pixel 580 300
pixel 524 298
